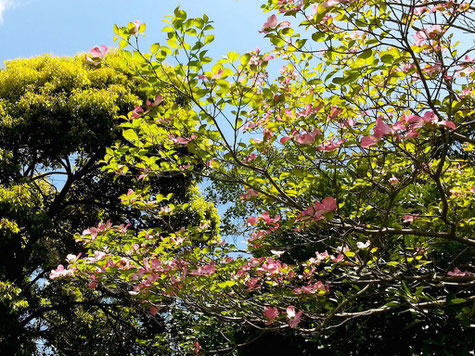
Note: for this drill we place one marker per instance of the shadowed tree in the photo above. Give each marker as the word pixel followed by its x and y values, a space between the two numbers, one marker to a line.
pixel 57 117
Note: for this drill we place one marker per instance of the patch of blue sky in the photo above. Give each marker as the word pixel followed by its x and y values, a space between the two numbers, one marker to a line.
pixel 67 27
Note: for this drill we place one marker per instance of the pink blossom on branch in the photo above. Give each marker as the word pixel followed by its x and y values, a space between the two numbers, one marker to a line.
pixel 271 266
pixel 178 140
pixel 320 257
pixel 197 347
pixel 448 124
pixel 285 139
pixel 252 284
pixel 206 270
pixel 138 112
pixel 393 180
pixel 368 141
pixel 317 211
pixel 250 193
pixel 136 28
pixel 59 272
pixel 271 314
pixel 266 217
pixel 458 273
pixel 330 146
pixel 307 138
pixel 94 282
pixel 97 54
pixel 252 220
pixel 362 245
pixel 419 38
pixel 293 316
pixel 315 288
pixel 327 205
pixel 157 101
pixel 410 218
pixel 381 129
pixel 330 3
pixel 73 258
pixel 271 24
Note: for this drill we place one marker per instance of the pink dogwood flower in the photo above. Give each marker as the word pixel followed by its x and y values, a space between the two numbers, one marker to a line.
pixel 327 205
pixel 313 288
pixel 410 218
pixel 271 314
pixel 206 270
pixel 293 317
pixel 419 38
pixel 330 146
pixel 393 180
pixel 285 139
pixel 334 112
pixel 252 220
pixel 320 257
pixel 318 210
pixel 362 245
pixel 93 284
pixel 381 129
pixel 136 28
pixel 330 3
pixel 197 347
pixel 458 273
pixel 250 194
pixel 181 140
pixel 266 217
pixel 72 258
pixel 59 272
pixel 138 112
pixel 368 141
pixel 157 101
pixel 271 23
pixel 307 138
pixel 99 52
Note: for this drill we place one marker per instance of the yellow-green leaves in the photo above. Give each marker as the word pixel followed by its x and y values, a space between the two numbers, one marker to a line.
pixel 131 136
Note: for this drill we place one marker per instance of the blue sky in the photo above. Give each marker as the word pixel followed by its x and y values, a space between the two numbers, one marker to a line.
pixel 66 27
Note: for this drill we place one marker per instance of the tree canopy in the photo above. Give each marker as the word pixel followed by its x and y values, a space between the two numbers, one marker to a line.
pixel 58 118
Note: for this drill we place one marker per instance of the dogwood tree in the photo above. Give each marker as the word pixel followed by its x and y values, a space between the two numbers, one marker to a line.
pixel 355 161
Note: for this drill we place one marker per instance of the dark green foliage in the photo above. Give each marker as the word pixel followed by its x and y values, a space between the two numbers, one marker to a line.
pixel 57 116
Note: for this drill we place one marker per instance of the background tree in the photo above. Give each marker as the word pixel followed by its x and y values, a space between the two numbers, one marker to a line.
pixel 58 117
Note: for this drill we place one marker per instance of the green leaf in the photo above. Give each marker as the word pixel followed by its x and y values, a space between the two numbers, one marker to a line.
pixel 245 59
pixel 209 39
pixel 366 54
pixel 199 23
pixel 387 59
pixel 392 304
pixel 318 36
pixel 123 44
pixel 172 42
pixel 233 56
pixel 154 48
pixel 130 135
pixel 226 284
